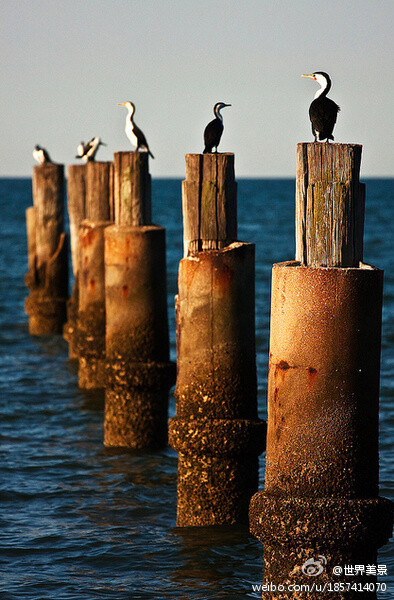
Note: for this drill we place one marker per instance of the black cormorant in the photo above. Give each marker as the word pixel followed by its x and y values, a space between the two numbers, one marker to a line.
pixel 323 111
pixel 214 129
pixel 41 155
pixel 133 132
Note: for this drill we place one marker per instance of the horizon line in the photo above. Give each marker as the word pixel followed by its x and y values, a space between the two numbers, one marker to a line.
pixel 237 176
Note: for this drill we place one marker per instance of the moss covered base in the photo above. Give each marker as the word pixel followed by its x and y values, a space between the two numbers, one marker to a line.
pixel 305 538
pixel 136 404
pixel 46 314
pixel 70 326
pixel 217 468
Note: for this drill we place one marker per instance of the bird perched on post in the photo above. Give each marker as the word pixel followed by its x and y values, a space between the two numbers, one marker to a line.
pixel 88 151
pixel 214 129
pixel 133 132
pixel 41 155
pixel 323 111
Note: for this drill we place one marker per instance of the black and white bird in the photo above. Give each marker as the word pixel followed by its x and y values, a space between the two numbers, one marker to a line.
pixel 214 129
pixel 323 111
pixel 133 132
pixel 41 155
pixel 88 151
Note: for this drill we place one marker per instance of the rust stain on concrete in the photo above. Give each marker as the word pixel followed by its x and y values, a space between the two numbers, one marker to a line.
pixel 189 268
pixel 85 274
pixel 87 238
pixel 283 365
pixel 281 369
pixel 223 276
pixel 312 374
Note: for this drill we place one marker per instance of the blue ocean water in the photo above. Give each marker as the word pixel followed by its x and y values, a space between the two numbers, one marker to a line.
pixel 79 522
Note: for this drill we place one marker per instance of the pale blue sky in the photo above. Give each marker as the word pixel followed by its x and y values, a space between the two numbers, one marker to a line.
pixel 66 65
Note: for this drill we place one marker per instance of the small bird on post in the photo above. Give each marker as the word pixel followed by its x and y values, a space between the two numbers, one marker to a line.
pixel 88 151
pixel 133 132
pixel 41 155
pixel 214 129
pixel 323 111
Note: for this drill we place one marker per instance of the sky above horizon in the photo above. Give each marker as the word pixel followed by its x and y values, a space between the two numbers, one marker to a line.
pixel 66 65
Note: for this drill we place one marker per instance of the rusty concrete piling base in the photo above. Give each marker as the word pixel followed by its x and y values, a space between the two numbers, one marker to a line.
pixel 323 383
pixel 90 346
pixel 305 538
pixel 91 372
pixel 321 478
pixel 216 431
pixel 91 305
pixel 136 404
pixel 46 314
pixel 70 327
pixel 139 373
pixel 215 335
pixel 217 468
pixel 135 294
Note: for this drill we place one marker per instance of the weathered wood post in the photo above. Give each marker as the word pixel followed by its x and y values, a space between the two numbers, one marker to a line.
pixel 76 186
pixel 320 507
pixel 47 277
pixel 132 189
pixel 216 430
pixel 139 373
pixel 99 202
pixel 90 337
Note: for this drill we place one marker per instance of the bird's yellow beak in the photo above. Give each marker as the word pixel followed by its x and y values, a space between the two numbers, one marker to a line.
pixel 121 103
pixel 310 76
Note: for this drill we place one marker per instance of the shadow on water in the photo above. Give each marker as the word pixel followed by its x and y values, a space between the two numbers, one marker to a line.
pixel 221 562
pixel 93 399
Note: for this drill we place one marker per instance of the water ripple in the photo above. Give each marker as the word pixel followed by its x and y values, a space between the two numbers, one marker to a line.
pixel 79 521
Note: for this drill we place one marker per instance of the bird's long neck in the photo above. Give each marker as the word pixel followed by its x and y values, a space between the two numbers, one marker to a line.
pixel 130 115
pixel 217 113
pixel 324 89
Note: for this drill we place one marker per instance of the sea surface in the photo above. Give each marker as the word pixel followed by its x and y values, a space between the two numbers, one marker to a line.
pixel 79 522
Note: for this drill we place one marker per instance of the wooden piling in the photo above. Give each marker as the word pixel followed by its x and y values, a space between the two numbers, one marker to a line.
pixel 216 430
pixel 76 192
pixel 329 205
pixel 99 202
pixel 76 187
pixel 132 189
pixel 91 305
pixel 139 372
pixel 47 277
pixel 209 202
pixel 321 481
